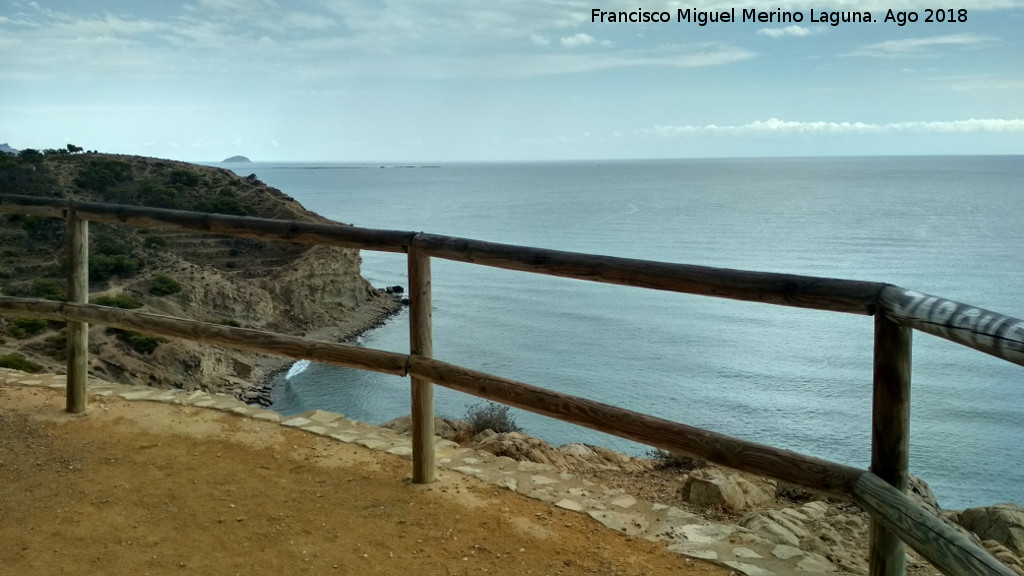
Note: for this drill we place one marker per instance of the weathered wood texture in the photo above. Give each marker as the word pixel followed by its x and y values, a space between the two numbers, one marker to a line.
pixel 240 226
pixel 718 448
pixel 944 547
pixel 78 332
pixel 241 338
pixel 890 435
pixel 990 332
pixel 783 289
pixel 421 343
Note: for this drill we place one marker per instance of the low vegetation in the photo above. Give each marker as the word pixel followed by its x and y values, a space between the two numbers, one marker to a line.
pixel 22 328
pixel 490 416
pixel 48 289
pixel 666 460
pixel 225 202
pixel 141 343
pixel 18 362
pixel 56 346
pixel 163 285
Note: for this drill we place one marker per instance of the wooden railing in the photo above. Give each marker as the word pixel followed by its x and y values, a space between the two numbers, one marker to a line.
pixel 897 312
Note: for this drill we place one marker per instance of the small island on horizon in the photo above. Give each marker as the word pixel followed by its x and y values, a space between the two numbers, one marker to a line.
pixel 238 159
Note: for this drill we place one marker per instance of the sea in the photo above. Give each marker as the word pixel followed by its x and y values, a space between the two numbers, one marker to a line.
pixel 951 226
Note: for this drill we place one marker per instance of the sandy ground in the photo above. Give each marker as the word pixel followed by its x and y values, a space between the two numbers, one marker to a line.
pixel 146 488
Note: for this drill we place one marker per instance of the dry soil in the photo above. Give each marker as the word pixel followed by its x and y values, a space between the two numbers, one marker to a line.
pixel 146 488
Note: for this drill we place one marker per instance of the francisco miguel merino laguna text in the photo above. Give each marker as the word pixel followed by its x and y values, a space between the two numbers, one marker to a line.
pixel 704 17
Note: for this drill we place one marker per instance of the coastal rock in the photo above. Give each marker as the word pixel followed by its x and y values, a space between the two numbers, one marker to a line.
pixel 1003 523
pixel 1004 555
pixel 443 427
pixel 921 493
pixel 713 487
pixel 763 525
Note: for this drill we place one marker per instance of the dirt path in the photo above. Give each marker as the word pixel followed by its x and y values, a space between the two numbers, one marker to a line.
pixel 147 488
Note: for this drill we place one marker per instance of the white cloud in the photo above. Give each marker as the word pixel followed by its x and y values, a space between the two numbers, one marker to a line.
pixel 910 47
pixel 577 40
pixel 539 40
pixel 793 30
pixel 776 126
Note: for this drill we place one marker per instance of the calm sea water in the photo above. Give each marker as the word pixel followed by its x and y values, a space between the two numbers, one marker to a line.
pixel 795 379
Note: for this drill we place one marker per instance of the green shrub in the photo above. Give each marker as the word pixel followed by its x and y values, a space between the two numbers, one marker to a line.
pixel 40 230
pixel 490 416
pixel 102 174
pixel 159 196
pixel 183 177
pixel 56 346
pixel 22 328
pixel 670 460
pixel 109 244
pixel 48 289
pixel 122 300
pixel 102 267
pixel 16 362
pixel 225 202
pixel 141 343
pixel 163 285
pixel 154 242
pixel 229 322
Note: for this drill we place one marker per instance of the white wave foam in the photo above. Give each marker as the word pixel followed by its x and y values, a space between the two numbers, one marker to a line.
pixel 296 369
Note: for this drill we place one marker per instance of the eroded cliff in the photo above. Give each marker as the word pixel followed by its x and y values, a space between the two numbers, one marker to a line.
pixel 282 287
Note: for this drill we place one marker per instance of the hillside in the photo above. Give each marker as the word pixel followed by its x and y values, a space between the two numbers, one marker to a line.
pixel 284 287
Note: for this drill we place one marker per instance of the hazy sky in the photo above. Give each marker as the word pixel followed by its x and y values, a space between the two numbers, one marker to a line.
pixel 385 80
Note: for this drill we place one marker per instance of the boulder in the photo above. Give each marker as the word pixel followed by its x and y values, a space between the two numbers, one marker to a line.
pixel 921 493
pixel 713 487
pixel 1003 523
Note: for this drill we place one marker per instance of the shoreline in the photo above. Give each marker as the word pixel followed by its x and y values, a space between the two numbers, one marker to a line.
pixel 372 314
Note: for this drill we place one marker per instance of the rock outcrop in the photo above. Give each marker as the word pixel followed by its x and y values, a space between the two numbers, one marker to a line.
pixel 1003 523
pixel 728 511
pixel 737 492
pixel 276 286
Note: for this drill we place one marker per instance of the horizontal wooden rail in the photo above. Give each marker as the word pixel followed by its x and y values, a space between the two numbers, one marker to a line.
pixel 713 447
pixel 990 332
pixel 784 289
pixel 944 547
pixel 215 334
pixel 239 226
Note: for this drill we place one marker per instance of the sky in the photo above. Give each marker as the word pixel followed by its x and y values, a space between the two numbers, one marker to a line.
pixel 500 80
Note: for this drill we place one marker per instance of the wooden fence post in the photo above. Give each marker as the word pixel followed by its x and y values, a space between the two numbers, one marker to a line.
pixel 78 332
pixel 421 344
pixel 890 435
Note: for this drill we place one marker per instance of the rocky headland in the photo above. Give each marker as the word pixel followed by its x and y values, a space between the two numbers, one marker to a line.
pixel 288 288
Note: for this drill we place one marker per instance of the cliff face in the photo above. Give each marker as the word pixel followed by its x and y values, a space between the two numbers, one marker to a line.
pixel 282 287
